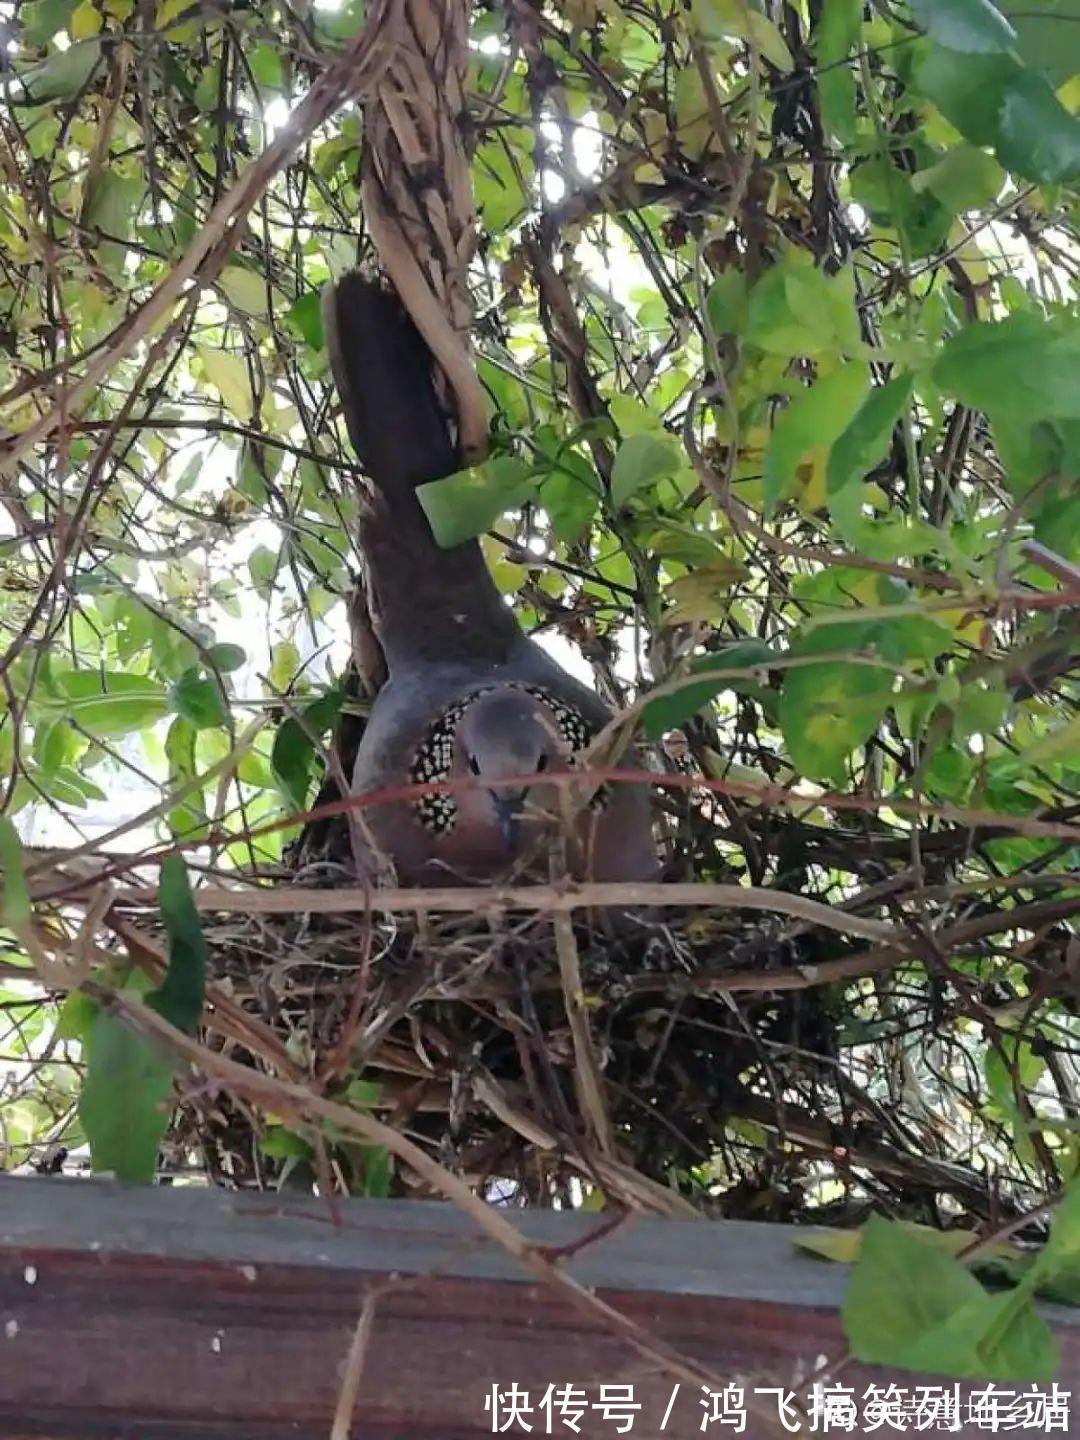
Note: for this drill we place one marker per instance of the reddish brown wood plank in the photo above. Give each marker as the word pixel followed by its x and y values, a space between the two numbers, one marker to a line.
pixel 104 1333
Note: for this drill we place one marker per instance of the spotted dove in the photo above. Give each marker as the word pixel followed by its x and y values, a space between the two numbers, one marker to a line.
pixel 469 696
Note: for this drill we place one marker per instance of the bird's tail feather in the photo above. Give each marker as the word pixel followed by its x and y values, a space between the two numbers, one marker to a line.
pixel 427 602
pixel 382 369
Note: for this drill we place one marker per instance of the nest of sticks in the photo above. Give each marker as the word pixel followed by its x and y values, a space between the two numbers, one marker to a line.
pixel 723 1049
pixel 529 1052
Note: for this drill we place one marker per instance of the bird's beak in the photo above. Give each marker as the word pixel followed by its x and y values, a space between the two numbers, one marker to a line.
pixel 508 813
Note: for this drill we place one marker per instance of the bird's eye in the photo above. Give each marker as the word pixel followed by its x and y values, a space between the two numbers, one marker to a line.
pixel 474 765
pixel 542 763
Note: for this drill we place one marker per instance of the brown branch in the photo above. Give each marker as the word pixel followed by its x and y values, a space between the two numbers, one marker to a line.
pixel 559 899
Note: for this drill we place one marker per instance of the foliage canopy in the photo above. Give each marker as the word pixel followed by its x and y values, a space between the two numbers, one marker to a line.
pixel 775 305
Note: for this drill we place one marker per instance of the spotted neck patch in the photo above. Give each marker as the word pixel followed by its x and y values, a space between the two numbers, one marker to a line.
pixel 434 756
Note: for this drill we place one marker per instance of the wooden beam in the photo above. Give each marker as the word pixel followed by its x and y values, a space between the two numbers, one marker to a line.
pixel 175 1313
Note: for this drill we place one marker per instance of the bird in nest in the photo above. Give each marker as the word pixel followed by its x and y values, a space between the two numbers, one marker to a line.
pixel 468 697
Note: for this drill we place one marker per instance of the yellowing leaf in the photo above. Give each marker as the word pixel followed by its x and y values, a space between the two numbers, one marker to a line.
pixel 229 375
pixel 718 19
pixel 1062 743
pixel 168 10
pixel 704 594
pixel 840 1245
pixel 284 665
pixel 807 429
pixel 16 896
pixel 769 41
pixel 85 21
pixel 965 624
pixel 278 419
pixel 631 417
pixel 243 288
pixel 692 111
pixel 508 575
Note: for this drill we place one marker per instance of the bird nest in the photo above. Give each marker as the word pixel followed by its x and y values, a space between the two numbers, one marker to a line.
pixel 670 1047
pixel 531 1054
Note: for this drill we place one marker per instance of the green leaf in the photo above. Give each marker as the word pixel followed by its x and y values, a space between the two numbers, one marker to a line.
pixel 1032 452
pixel 112 204
pixel 464 505
pixel 291 757
pixel 1022 367
pixel 797 310
pixel 55 743
pixel 866 440
pixel 1038 138
pixel 285 665
pixel 378 1172
pixel 125 1102
pixel 16 900
pixel 344 22
pixel 293 751
pixel 999 1068
pixel 979 708
pixel 42 19
pixel 496 183
pixel 965 178
pixel 682 542
pixel 1043 36
pixel 111 702
pixel 992 100
pixel 900 1289
pixel 267 68
pixel 910 1304
pixel 263 567
pixel 728 302
pixel 76 1014
pixel 190 815
pixel 570 494
pixel 60 77
pixel 1061 1253
pixel 718 19
pixel 206 92
pixel 227 657
pixel 640 461
pixel 812 422
pixel 836 35
pixel 969 26
pixel 306 315
pixel 363 1093
pixel 891 200
pixel 1062 742
pixel 994 1337
pixel 826 711
pixel 281 1144
pixel 967 89
pixel 668 712
pixel 199 700
pixel 180 998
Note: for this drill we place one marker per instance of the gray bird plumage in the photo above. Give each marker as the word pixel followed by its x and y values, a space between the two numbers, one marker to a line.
pixel 468 695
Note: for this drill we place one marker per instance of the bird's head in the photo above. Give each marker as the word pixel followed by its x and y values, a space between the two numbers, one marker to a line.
pixel 504 734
